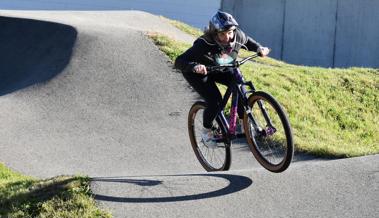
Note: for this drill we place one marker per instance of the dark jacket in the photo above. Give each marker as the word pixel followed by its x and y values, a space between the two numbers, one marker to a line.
pixel 205 49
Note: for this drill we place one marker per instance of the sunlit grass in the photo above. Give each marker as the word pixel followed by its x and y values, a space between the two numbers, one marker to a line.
pixel 62 196
pixel 185 28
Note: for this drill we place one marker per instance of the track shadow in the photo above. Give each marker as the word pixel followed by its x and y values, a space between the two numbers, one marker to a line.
pixel 235 183
pixel 32 51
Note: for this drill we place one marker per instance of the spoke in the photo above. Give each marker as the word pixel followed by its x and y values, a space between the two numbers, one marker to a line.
pixel 271 147
pixel 213 157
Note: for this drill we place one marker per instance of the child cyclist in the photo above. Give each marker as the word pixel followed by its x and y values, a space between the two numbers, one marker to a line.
pixel 219 44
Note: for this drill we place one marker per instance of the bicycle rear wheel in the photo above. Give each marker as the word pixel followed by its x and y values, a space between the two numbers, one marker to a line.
pixel 217 158
pixel 269 135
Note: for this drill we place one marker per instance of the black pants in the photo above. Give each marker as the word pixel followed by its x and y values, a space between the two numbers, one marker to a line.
pixel 207 89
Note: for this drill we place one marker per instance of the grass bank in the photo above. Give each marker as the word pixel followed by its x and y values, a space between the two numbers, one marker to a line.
pixel 333 112
pixel 63 196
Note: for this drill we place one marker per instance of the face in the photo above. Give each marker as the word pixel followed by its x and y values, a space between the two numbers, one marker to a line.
pixel 225 37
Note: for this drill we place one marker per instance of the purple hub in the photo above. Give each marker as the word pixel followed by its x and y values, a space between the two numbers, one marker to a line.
pixel 270 131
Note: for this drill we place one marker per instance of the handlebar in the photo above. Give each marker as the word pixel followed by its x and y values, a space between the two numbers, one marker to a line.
pixel 236 64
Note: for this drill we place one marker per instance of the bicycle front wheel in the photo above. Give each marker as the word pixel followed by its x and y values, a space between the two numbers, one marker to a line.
pixel 268 132
pixel 215 158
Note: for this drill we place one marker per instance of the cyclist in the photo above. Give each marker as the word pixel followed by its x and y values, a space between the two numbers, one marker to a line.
pixel 219 44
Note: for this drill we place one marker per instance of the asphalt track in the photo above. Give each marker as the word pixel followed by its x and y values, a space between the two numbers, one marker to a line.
pixel 89 93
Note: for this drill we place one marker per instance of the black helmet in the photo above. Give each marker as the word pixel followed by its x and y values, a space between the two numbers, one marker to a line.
pixel 221 22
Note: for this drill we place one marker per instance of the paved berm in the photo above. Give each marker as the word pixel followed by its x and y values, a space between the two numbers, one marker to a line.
pixel 88 93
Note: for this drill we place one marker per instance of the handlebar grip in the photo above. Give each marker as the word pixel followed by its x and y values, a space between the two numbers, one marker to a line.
pixel 212 68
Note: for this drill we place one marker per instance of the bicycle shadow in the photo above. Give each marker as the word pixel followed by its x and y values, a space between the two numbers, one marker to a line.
pixel 171 188
pixel 32 51
pixel 241 145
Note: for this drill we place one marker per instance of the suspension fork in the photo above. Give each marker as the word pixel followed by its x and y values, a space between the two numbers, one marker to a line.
pixel 265 114
pixel 270 127
pixel 242 92
pixel 260 104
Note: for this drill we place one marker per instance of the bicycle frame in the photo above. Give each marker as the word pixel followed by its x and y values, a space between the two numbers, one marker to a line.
pixel 238 92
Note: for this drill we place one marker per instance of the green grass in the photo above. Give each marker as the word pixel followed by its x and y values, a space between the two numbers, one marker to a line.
pixel 185 28
pixel 171 48
pixel 333 112
pixel 62 196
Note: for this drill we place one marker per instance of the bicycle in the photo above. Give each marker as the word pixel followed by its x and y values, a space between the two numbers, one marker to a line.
pixel 266 126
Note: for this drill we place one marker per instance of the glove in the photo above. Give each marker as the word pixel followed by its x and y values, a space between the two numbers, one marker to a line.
pixel 263 51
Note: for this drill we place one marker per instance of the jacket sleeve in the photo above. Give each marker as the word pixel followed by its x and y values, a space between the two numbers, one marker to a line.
pixel 249 43
pixel 189 59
